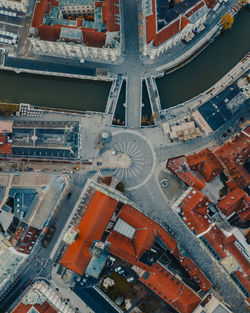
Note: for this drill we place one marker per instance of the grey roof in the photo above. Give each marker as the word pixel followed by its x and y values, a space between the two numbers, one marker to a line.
pixel 220 309
pixel 124 228
pixel 5 219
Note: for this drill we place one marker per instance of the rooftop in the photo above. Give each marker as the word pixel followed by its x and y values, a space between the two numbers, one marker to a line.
pixel 131 234
pixel 80 21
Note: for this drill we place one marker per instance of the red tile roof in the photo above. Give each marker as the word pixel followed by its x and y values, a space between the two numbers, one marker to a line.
pixel 194 211
pixel 217 240
pixel 205 163
pixel 194 9
pixel 150 27
pixel 179 167
pixel 233 155
pixel 236 201
pixel 184 22
pixel 91 228
pixel 244 279
pixel 168 32
pixel 210 3
pixel 151 24
pixel 171 290
pixel 111 15
pixel 5 147
pixel 91 37
pixel 232 249
pixel 44 308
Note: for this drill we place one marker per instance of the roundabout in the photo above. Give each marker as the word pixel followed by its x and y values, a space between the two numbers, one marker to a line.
pixel 141 153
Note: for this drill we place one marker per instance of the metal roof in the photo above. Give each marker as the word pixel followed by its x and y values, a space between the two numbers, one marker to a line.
pixel 124 228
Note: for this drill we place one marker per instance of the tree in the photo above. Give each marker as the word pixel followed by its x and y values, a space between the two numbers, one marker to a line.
pixel 227 21
pixel 107 180
pixel 120 187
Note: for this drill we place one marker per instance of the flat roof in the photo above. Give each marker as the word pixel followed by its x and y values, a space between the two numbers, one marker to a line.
pixel 124 228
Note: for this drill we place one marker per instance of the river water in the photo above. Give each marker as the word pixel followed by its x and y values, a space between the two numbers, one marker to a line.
pixel 209 66
pixel 187 82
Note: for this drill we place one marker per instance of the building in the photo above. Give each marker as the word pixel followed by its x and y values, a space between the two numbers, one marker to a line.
pixel 14 5
pixel 109 226
pixel 25 212
pixel 41 298
pixel 167 23
pixel 77 29
pixel 219 225
pixel 37 139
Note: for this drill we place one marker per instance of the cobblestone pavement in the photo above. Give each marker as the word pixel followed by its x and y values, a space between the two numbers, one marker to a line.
pixel 142 155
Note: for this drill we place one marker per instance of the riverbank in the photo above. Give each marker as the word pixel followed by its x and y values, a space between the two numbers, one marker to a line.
pixel 209 66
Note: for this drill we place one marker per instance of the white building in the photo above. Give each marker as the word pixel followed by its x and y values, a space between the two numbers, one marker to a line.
pixel 17 5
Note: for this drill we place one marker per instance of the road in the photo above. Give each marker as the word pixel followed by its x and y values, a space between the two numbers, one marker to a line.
pixel 34 264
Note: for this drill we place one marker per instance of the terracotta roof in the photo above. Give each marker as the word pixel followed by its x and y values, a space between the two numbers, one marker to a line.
pixel 180 167
pixel 143 240
pixel 151 24
pixel 171 290
pixel 236 201
pixel 44 308
pixel 205 163
pixel 232 249
pixel 244 279
pixel 194 211
pixel 184 22
pixel 195 9
pixel 233 155
pixel 150 27
pixel 49 33
pixel 168 32
pixel 93 38
pixel 132 250
pixel 217 240
pixel 112 15
pixel 91 227
pixel 210 3
pixel 5 147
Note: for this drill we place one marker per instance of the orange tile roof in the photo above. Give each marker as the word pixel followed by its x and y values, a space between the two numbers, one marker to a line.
pixel 143 240
pixel 244 279
pixel 44 308
pixel 236 201
pixel 194 211
pixel 94 39
pixel 150 27
pixel 5 147
pixel 238 255
pixel 151 24
pixel 205 163
pixel 233 155
pixel 180 167
pixel 168 32
pixel 195 9
pixel 112 13
pixel 91 227
pixel 193 179
pixel 184 22
pixel 217 240
pixel 210 3
pixel 171 290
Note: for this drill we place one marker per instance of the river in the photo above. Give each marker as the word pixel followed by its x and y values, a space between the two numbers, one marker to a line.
pixel 195 77
pixel 209 66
